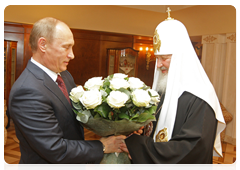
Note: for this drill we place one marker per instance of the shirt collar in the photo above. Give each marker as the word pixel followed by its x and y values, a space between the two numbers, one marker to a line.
pixel 50 73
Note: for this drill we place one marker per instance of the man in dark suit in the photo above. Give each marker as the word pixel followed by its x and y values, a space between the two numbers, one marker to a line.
pixel 44 121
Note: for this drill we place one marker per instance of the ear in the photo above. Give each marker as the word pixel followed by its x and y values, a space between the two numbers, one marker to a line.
pixel 42 43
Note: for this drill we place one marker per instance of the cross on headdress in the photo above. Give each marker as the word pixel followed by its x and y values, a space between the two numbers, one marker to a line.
pixel 169 17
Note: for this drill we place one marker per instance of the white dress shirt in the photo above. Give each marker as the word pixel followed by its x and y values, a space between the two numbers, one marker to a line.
pixel 49 72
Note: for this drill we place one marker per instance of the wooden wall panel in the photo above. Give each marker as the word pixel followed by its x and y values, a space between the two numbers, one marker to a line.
pixel 104 46
pixel 27 48
pixel 19 38
pixel 20 33
pixel 90 51
pixel 112 40
pixel 86 62
pixel 145 75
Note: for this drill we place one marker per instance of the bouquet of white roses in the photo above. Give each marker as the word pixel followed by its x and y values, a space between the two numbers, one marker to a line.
pixel 104 105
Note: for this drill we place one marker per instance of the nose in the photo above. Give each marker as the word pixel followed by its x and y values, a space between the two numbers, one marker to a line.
pixel 70 54
pixel 159 63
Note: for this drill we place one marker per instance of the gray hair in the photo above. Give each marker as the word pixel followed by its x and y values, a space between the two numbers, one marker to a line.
pixel 43 28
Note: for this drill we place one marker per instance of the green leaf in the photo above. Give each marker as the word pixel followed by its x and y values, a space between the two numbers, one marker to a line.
pixel 75 111
pixel 110 76
pixel 108 90
pixel 106 83
pixel 150 94
pixel 145 116
pixel 103 110
pixel 96 116
pixel 152 109
pixel 123 116
pixel 145 87
pixel 127 92
pixel 123 109
pixel 135 117
pixel 116 118
pixel 77 105
pixel 133 110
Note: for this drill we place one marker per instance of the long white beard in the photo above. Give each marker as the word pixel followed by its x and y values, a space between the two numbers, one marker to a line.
pixel 162 82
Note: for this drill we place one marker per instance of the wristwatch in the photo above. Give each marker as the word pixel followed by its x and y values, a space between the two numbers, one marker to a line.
pixel 103 147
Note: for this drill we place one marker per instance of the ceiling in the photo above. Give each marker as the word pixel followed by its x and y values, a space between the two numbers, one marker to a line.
pixel 158 8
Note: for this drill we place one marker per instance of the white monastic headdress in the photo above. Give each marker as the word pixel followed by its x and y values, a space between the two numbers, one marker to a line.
pixel 185 74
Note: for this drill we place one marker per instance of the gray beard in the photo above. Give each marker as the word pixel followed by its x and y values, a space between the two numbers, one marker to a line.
pixel 162 83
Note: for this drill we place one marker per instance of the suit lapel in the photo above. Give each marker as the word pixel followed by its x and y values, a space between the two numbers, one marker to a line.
pixel 69 85
pixel 50 85
pixel 53 87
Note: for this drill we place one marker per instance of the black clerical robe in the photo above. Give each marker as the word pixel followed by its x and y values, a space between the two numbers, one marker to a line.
pixel 192 139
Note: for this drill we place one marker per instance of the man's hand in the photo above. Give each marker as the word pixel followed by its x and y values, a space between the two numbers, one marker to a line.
pixel 124 148
pixel 113 143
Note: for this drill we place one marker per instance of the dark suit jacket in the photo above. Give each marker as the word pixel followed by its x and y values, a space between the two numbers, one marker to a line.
pixel 45 123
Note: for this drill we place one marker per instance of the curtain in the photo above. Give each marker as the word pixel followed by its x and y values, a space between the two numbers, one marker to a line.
pixel 219 61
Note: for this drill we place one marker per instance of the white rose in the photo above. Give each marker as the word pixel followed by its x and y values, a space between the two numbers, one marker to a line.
pixel 135 83
pixel 118 83
pixel 91 99
pixel 94 83
pixel 141 98
pixel 117 99
pixel 76 93
pixel 155 96
pixel 119 75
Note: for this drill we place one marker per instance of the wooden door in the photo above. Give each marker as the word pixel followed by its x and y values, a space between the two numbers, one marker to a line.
pixel 10 55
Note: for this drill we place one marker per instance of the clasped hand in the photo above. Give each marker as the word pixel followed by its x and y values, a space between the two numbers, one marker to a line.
pixel 117 144
pixel 113 143
pixel 123 146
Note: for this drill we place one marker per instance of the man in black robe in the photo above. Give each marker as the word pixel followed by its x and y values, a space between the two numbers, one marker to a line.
pixel 189 118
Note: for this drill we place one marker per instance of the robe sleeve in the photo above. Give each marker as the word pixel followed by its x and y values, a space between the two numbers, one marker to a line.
pixel 192 139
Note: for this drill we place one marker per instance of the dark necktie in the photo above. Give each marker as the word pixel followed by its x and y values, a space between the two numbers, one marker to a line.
pixel 62 86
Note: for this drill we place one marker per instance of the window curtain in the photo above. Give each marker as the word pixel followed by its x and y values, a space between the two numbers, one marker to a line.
pixel 219 61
